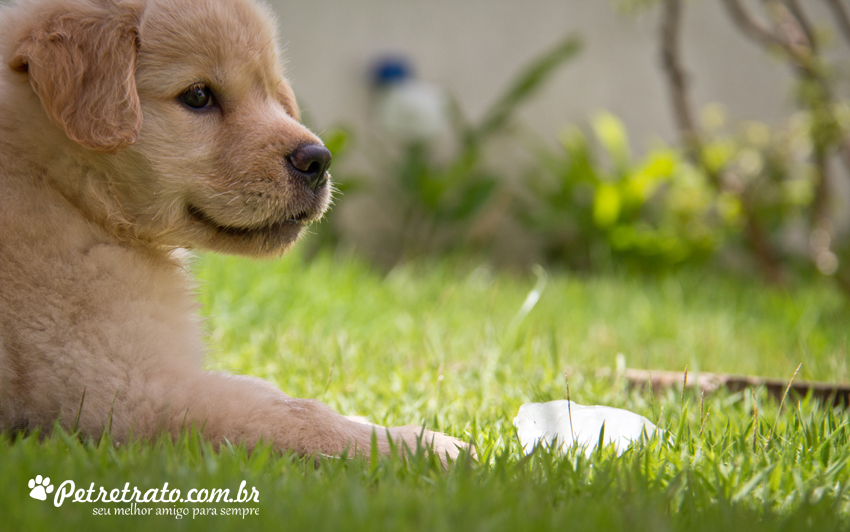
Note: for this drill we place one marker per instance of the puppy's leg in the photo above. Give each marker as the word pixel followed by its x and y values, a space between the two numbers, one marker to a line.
pixel 246 409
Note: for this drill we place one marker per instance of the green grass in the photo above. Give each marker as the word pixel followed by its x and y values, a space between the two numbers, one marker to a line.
pixel 451 345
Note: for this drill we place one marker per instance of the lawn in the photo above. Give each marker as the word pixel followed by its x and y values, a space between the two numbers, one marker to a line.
pixel 459 347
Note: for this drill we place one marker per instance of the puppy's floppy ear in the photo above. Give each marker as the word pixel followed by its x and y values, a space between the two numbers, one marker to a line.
pixel 287 98
pixel 82 66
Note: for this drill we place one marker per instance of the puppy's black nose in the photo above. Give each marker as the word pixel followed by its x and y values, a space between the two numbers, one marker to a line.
pixel 312 162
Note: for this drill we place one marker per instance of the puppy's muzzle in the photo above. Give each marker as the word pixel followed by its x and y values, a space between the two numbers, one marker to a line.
pixel 311 162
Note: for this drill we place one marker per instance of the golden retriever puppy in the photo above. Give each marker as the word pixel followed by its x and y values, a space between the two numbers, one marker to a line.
pixel 130 129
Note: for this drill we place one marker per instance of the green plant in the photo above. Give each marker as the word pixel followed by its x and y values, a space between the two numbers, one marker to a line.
pixel 771 169
pixel 785 30
pixel 595 202
pixel 439 199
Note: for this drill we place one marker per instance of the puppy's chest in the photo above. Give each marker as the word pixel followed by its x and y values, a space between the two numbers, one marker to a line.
pixel 108 301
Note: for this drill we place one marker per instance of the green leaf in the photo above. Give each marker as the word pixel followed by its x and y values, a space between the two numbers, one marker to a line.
pixel 337 140
pixel 473 197
pixel 657 168
pixel 606 205
pixel 526 84
pixel 612 135
pixel 581 166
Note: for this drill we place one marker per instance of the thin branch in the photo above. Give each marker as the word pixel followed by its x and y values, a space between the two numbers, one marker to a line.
pixel 670 30
pixel 751 26
pixel 844 150
pixel 759 239
pixel 794 22
pixel 805 24
pixel 830 393
pixel 796 37
pixel 842 18
pixel 758 31
pixel 671 22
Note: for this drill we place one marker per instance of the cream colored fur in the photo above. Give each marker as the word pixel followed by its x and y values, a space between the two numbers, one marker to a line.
pixel 103 172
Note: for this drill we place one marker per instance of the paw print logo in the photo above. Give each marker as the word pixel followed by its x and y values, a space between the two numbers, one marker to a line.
pixel 40 487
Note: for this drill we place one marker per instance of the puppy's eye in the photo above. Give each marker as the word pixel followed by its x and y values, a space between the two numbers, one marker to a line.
pixel 198 96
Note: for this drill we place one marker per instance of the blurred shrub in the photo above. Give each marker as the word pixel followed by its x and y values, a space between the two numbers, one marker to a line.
pixel 443 199
pixel 592 202
pixel 772 168
pixel 440 198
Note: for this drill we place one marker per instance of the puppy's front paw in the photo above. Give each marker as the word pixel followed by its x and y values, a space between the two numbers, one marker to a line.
pixel 445 446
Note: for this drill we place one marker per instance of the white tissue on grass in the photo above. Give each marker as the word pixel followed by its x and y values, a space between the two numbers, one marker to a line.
pixel 564 424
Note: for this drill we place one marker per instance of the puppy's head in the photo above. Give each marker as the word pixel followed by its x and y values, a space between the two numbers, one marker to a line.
pixel 181 110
